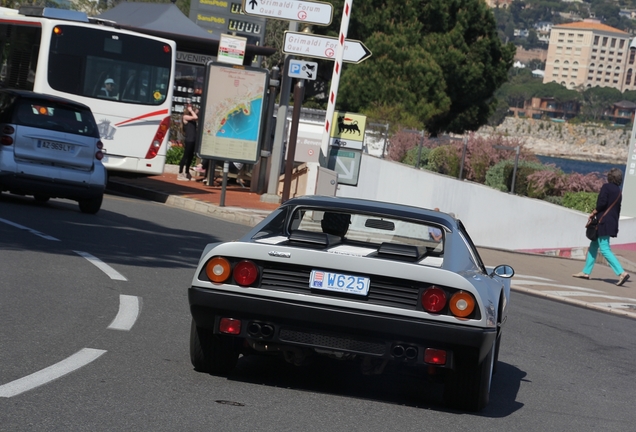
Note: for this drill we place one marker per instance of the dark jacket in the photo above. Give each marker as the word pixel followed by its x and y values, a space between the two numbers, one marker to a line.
pixel 608 225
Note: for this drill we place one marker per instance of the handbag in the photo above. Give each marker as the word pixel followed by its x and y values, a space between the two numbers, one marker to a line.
pixel 591 227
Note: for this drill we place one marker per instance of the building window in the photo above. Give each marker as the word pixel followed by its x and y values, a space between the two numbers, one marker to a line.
pixel 560 40
pixel 570 41
pixel 593 57
pixel 575 62
pixel 621 44
pixel 605 41
pixel 556 68
pixel 632 53
pixel 613 44
pixel 628 77
pixel 596 40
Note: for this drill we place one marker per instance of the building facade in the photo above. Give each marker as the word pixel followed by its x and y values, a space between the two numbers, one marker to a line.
pixel 589 54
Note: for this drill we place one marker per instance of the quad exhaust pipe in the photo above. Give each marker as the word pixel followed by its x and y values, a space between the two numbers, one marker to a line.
pixel 408 352
pixel 260 330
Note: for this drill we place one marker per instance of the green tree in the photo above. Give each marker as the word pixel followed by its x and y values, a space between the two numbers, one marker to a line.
pixel 598 100
pixel 440 61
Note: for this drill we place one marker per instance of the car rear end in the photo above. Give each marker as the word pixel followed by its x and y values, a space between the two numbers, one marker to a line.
pixel 50 148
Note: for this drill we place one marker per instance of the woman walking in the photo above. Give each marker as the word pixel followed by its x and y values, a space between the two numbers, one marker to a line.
pixel 608 209
pixel 190 118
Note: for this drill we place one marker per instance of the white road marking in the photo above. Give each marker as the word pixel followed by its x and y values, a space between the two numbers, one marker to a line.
pixel 128 313
pixel 66 366
pixel 110 272
pixel 586 294
pixel 32 231
pixel 520 276
pixel 578 288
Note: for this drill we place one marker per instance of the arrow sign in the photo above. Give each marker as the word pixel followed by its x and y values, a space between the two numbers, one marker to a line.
pixel 311 12
pixel 324 47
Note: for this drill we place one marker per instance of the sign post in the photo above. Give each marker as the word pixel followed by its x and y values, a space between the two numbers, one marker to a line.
pixel 335 78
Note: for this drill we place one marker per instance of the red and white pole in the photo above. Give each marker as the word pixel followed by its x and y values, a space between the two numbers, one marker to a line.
pixel 335 78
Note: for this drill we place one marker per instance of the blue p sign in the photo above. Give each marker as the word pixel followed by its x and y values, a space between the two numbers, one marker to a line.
pixel 294 68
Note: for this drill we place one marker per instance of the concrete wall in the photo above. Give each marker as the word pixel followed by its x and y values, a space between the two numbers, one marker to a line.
pixel 493 218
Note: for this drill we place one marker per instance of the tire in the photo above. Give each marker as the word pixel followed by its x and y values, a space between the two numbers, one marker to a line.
pixel 41 198
pixel 91 206
pixel 211 353
pixel 468 386
pixel 496 359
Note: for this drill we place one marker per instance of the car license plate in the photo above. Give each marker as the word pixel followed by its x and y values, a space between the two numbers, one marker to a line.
pixel 56 146
pixel 339 282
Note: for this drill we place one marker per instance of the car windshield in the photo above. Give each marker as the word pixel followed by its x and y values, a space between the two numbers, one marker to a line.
pixel 359 229
pixel 55 116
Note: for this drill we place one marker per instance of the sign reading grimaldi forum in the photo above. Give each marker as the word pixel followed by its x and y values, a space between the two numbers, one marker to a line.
pixel 310 45
pixel 310 12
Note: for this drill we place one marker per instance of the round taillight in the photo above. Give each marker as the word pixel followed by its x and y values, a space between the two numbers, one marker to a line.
pixel 433 299
pixel 57 31
pixel 462 304
pixel 245 273
pixel 218 269
pixel 100 145
pixel 6 140
pixel 9 130
pixel 99 155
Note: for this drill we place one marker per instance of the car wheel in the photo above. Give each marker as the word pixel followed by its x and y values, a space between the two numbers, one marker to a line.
pixel 41 198
pixel 211 353
pixel 468 386
pixel 91 206
pixel 496 359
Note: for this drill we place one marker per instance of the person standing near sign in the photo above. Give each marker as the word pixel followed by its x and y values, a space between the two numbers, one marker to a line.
pixel 190 117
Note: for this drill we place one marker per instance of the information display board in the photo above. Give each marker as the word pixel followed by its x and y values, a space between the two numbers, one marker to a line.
pixel 232 112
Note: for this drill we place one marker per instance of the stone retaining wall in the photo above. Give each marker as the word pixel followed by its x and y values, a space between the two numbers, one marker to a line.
pixel 590 142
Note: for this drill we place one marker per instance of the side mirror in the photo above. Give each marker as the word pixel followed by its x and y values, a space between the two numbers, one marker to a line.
pixel 504 271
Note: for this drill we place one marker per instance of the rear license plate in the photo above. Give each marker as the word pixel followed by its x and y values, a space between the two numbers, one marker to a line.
pixel 52 145
pixel 339 282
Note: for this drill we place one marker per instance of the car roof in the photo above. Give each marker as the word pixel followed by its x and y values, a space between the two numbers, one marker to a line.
pixel 372 207
pixel 57 99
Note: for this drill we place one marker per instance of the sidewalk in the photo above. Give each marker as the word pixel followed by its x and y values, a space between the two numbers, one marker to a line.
pixel 244 207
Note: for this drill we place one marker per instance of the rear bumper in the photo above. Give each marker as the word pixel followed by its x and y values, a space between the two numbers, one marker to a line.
pixel 76 185
pixel 337 329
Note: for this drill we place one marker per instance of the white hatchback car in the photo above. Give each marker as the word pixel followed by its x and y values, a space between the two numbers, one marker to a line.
pixel 50 148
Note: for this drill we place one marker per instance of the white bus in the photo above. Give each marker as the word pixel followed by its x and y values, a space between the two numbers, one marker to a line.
pixel 65 53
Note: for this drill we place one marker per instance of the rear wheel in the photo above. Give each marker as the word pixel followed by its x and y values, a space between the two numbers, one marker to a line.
pixel 41 198
pixel 468 386
pixel 211 353
pixel 91 206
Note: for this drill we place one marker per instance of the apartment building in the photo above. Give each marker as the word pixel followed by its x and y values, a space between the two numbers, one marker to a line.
pixel 589 54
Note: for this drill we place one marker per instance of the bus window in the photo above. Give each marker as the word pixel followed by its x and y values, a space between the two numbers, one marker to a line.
pixel 20 46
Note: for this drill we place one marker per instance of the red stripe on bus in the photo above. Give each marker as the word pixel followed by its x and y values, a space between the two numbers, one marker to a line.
pixel 32 23
pixel 152 114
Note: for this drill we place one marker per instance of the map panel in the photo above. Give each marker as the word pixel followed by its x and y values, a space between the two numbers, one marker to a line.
pixel 232 114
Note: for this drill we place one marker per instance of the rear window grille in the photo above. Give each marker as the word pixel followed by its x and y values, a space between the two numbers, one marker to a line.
pixel 382 291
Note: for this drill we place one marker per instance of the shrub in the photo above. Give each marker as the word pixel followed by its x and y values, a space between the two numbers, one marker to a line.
pixel 401 142
pixel 410 158
pixel 444 160
pixel 581 201
pixel 553 182
pixel 174 155
pixel 554 200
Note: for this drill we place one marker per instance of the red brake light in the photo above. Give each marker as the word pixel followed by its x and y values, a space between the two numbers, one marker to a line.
pixel 245 273
pixel 166 48
pixel 6 140
pixel 435 356
pixel 99 155
pixel 230 326
pixel 433 299
pixel 155 145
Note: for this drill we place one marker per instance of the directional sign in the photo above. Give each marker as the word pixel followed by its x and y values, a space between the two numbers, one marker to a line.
pixel 324 47
pixel 302 69
pixel 346 163
pixel 311 12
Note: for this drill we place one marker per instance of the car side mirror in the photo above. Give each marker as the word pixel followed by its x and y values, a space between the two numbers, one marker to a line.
pixel 504 271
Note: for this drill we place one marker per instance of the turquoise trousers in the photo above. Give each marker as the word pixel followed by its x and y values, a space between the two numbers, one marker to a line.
pixel 602 243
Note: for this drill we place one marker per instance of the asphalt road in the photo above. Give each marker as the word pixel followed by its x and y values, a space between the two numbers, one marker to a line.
pixel 95 326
